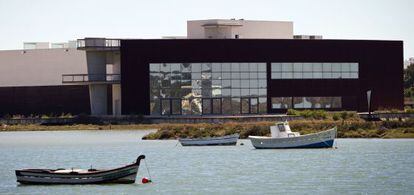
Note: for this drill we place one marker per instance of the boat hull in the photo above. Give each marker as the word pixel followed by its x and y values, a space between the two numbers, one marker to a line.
pixel 215 141
pixel 124 175
pixel 324 139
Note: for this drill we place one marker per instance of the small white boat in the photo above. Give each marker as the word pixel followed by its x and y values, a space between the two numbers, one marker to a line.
pixel 210 141
pixel 125 174
pixel 283 137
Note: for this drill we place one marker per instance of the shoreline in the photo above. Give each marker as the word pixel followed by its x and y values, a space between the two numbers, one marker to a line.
pixel 346 129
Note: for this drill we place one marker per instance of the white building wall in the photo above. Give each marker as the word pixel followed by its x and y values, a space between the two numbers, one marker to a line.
pixel 39 67
pixel 246 29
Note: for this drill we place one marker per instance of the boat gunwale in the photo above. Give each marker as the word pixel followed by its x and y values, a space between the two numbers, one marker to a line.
pixel 301 136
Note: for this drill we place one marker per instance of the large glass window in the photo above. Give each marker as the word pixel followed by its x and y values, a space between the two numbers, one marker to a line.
pixel 314 70
pixel 215 88
pixel 306 102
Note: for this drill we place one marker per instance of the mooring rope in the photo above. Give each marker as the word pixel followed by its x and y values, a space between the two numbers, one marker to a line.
pixel 146 166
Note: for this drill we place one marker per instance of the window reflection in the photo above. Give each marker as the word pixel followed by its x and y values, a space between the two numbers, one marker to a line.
pixel 180 88
pixel 308 70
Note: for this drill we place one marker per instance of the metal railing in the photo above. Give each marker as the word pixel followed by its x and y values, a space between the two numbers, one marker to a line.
pixel 98 43
pixel 91 78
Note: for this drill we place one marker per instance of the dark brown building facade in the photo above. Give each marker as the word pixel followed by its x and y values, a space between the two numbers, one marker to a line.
pixel 259 76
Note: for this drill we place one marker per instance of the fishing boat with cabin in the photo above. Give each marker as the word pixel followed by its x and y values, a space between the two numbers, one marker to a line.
pixel 283 137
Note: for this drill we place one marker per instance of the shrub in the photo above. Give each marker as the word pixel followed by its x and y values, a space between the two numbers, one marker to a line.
pixel 336 116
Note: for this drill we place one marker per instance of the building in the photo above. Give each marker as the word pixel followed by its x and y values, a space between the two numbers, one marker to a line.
pixel 222 67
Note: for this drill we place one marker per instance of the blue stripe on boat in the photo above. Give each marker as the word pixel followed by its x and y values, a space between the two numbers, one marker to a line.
pixel 325 144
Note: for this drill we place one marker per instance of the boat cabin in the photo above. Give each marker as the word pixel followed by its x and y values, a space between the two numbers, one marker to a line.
pixel 281 130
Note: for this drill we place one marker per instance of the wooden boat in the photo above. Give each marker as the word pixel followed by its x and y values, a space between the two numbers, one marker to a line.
pixel 210 141
pixel 125 174
pixel 283 137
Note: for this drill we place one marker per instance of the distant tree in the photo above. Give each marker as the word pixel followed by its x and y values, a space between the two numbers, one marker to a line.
pixel 409 76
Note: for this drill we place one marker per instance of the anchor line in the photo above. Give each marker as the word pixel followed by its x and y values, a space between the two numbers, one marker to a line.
pixel 146 166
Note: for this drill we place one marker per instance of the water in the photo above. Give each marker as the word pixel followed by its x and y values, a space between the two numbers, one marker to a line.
pixel 358 166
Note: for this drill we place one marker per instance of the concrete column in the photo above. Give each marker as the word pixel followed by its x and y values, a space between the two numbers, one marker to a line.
pixel 98 99
pixel 116 88
pixel 97 92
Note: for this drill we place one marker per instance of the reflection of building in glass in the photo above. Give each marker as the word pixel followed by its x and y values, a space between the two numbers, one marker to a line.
pixel 208 88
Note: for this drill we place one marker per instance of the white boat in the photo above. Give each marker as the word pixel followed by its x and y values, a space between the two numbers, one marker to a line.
pixel 283 137
pixel 125 174
pixel 210 141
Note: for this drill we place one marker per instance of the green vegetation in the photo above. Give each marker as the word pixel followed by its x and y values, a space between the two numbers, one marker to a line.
pixel 347 128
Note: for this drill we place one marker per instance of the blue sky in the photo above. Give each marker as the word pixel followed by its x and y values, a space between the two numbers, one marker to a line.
pixel 62 20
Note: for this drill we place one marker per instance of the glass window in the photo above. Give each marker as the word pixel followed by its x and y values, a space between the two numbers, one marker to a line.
pixel 276 75
pixel 287 75
pixel 235 75
pixel 297 75
pixel 281 102
pixel 307 67
pixel 262 105
pixel 206 67
pixel 176 106
pixel 195 67
pixel 165 107
pixel 254 84
pixel 154 67
pixel 235 67
pixel 287 67
pixel 261 67
pixel 336 67
pixel 253 67
pixel 327 75
pixel 276 67
pixel 262 92
pixel 226 106
pixel 244 92
pixel 196 106
pixel 244 84
pixel 175 68
pixel 185 75
pixel 196 75
pixel 216 83
pixel 297 67
pixel 226 92
pixel 235 83
pixel 226 75
pixel 235 105
pixel 155 107
pixel 235 92
pixel 354 67
pixel 262 75
pixel 186 67
pixel 216 92
pixel 317 75
pixel 345 75
pixel 216 67
pixel 253 75
pixel 327 67
pixel 166 68
pixel 254 92
pixel 206 75
pixel 226 67
pixel 244 67
pixel 244 75
pixel 307 75
pixel 226 83
pixel 345 67
pixel 317 67
pixel 196 84
pixel 185 106
pixel 216 75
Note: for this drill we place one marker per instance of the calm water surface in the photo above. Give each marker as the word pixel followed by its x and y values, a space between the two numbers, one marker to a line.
pixel 358 166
